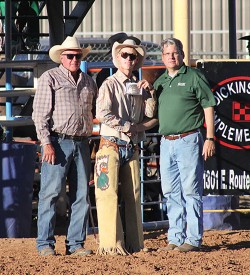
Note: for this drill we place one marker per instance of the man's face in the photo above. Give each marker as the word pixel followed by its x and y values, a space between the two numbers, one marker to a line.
pixel 127 58
pixel 172 58
pixel 71 60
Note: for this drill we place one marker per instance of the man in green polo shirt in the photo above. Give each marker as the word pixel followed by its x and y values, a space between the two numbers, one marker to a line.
pixel 185 102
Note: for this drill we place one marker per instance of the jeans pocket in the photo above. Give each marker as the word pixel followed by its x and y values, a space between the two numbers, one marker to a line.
pixel 191 139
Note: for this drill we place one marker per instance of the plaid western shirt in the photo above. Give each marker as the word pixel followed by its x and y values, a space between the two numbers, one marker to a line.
pixel 116 110
pixel 62 105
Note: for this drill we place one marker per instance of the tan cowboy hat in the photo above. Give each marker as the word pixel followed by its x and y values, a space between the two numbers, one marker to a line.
pixel 120 37
pixel 70 43
pixel 131 43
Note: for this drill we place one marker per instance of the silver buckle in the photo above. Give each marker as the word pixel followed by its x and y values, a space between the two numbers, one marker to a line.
pixel 112 139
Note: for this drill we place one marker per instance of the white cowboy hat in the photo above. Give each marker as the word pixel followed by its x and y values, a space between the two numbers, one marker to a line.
pixel 131 43
pixel 70 43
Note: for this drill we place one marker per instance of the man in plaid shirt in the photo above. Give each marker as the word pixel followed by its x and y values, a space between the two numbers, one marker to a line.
pixel 62 113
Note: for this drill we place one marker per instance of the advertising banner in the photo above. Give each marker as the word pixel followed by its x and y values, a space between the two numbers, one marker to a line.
pixel 228 172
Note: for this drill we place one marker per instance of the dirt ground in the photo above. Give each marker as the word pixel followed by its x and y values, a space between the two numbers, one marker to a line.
pixel 223 252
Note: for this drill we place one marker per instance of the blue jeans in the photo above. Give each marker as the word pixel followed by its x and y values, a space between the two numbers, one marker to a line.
pixel 72 162
pixel 125 153
pixel 181 167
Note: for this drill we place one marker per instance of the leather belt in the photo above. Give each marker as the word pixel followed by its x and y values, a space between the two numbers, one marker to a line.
pixel 174 137
pixel 112 142
pixel 64 136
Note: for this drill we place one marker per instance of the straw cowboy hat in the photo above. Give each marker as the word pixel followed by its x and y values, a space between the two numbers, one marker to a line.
pixel 70 43
pixel 131 43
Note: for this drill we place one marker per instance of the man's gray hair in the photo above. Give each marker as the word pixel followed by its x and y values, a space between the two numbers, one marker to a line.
pixel 172 41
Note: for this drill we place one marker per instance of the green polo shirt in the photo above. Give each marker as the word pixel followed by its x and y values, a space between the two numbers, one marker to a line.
pixel 181 100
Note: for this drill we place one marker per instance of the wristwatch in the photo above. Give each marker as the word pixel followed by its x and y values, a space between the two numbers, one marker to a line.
pixel 212 139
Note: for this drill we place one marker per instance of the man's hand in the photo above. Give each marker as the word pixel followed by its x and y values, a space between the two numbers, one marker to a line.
pixel 132 131
pixel 208 149
pixel 146 86
pixel 49 154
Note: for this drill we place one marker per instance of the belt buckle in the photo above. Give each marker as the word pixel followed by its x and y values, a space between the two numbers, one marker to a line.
pixel 112 139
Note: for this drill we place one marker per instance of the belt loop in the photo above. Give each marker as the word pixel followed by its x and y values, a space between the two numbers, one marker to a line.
pixel 126 154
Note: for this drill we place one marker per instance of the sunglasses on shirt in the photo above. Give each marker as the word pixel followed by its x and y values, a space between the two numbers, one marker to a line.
pixel 131 56
pixel 71 56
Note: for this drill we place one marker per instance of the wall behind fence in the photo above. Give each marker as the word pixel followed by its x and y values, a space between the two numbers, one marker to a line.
pixel 152 20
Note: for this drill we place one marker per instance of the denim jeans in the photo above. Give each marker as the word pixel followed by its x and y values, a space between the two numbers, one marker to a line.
pixel 181 167
pixel 72 163
pixel 126 152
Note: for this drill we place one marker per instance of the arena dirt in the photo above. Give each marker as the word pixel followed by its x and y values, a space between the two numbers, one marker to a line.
pixel 223 252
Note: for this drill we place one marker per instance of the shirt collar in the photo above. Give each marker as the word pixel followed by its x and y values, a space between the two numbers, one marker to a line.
pixel 64 70
pixel 123 78
pixel 182 70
